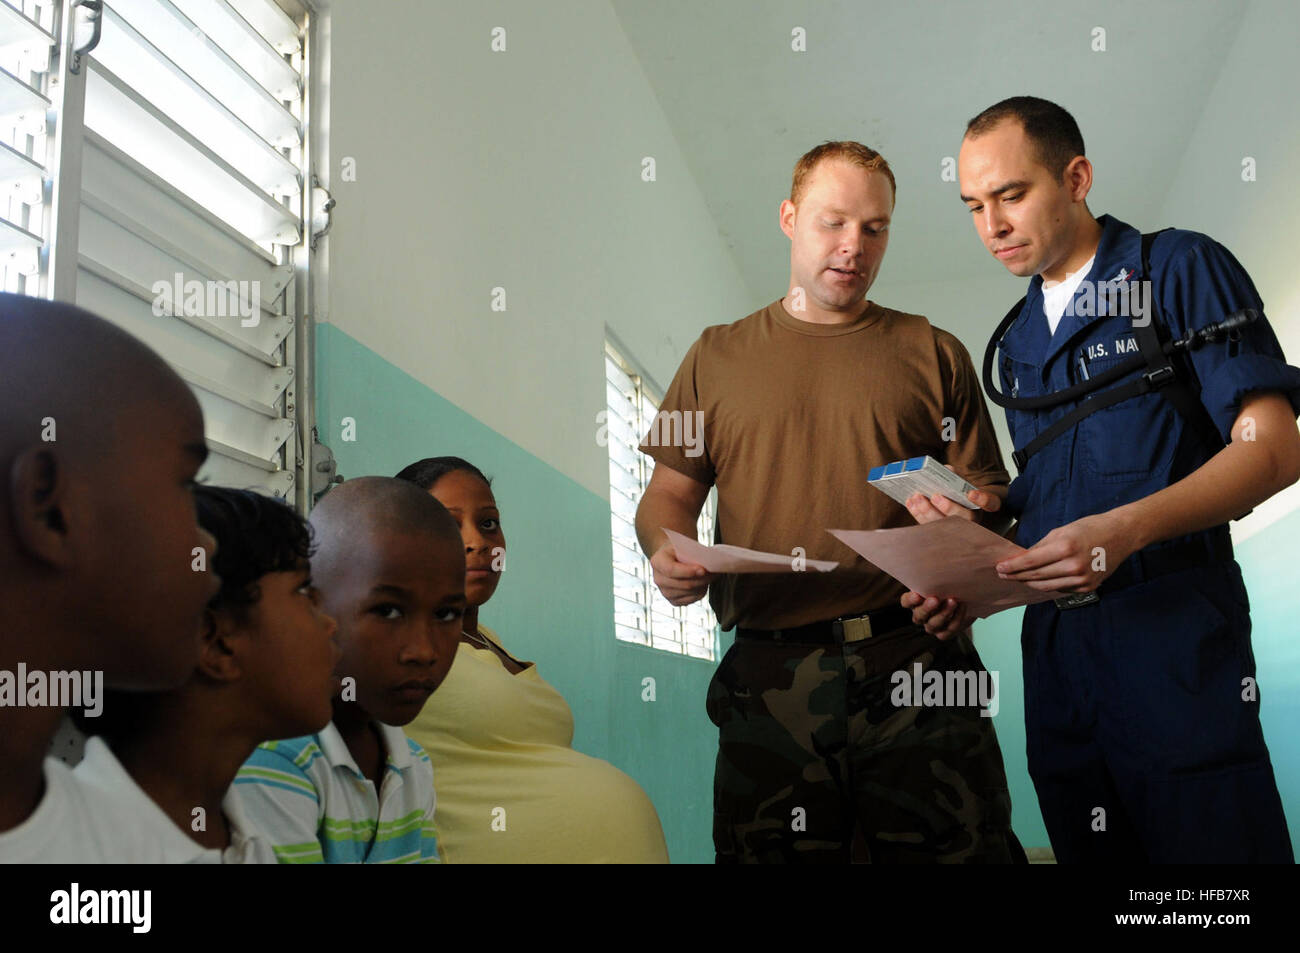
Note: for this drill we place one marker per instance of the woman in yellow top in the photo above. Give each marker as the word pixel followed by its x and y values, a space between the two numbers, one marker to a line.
pixel 510 788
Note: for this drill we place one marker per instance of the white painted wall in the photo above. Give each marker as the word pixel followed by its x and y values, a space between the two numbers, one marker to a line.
pixel 520 170
pixel 1253 110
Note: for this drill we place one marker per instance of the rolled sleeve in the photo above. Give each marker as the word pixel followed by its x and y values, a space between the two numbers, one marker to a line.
pixel 1207 284
pixel 1232 380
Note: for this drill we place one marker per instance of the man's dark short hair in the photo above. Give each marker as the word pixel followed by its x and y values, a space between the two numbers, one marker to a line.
pixel 1052 130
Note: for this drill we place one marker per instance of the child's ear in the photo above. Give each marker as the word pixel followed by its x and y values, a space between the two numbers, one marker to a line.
pixel 218 654
pixel 40 499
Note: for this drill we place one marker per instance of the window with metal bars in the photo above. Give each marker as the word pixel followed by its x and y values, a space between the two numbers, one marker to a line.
pixel 155 161
pixel 156 156
pixel 641 613
pixel 27 41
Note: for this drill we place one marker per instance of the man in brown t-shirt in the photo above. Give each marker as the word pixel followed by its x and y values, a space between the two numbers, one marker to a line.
pixel 818 759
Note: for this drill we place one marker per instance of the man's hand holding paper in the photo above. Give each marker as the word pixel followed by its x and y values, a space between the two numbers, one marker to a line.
pixel 1070 559
pixel 681 581
pixel 951 557
pixel 1076 557
pixel 945 617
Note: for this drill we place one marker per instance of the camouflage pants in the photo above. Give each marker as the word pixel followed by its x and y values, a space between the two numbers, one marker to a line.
pixel 816 764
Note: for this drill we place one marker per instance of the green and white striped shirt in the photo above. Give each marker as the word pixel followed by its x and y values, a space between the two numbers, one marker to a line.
pixel 308 796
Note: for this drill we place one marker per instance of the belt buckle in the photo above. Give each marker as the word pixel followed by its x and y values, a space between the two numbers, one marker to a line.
pixel 1077 600
pixel 852 630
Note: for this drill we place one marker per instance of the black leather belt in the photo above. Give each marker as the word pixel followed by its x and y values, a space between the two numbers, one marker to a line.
pixel 1206 550
pixel 843 629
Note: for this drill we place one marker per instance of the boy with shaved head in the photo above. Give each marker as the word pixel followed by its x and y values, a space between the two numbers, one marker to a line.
pixel 391 569
pixel 99 445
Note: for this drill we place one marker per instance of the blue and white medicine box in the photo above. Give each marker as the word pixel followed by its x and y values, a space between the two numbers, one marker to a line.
pixel 924 475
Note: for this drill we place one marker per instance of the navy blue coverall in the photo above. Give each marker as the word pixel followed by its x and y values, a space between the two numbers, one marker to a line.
pixel 1134 704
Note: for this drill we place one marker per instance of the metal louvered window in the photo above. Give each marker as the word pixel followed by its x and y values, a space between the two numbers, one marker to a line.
pixel 176 152
pixel 641 613
pixel 27 40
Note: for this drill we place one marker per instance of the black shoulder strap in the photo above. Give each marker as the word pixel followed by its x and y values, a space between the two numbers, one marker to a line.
pixel 1105 399
pixel 1174 374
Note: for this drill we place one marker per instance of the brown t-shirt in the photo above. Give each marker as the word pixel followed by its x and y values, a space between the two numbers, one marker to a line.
pixel 793 416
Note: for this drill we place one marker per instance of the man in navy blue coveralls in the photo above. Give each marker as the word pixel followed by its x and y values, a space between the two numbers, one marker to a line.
pixel 1142 712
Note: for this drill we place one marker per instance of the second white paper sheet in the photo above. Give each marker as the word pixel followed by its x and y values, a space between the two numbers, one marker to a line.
pixel 951 557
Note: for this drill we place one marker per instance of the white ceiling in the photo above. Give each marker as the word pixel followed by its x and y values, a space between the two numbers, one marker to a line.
pixel 904 78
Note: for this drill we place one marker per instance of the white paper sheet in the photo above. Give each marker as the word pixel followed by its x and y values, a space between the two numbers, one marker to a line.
pixel 736 559
pixel 949 558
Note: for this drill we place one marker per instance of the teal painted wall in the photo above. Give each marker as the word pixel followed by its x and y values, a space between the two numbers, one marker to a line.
pixel 555 606
pixel 1268 561
pixel 997 639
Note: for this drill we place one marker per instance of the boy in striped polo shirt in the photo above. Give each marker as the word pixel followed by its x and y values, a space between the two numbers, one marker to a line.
pixel 391 569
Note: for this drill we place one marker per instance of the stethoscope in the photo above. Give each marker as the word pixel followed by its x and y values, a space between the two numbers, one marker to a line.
pixel 1158 357
pixel 1229 328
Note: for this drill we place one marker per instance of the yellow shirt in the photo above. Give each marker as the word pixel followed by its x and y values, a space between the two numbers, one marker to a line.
pixel 509 786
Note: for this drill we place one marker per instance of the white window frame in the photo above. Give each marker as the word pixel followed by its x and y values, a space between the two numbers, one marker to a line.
pixel 282 398
pixel 690 630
